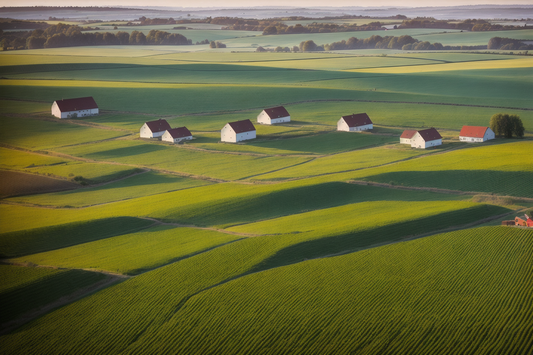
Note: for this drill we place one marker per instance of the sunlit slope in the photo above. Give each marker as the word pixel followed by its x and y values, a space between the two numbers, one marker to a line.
pixel 134 253
pixel 27 289
pixel 450 293
pixel 504 168
pixel 463 266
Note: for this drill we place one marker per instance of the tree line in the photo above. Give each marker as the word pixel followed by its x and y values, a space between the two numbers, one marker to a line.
pixel 508 44
pixel 466 25
pixel 63 35
pixel 404 42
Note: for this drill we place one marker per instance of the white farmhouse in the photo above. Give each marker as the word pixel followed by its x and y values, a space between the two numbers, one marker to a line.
pixel 407 136
pixel 274 115
pixel 355 123
pixel 154 129
pixel 426 138
pixel 70 108
pixel 474 134
pixel 237 131
pixel 176 135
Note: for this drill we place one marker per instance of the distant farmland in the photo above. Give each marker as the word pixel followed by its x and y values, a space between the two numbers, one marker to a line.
pixel 303 240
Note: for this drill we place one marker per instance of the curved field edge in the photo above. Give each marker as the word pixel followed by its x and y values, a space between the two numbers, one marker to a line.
pixel 141 305
pixel 460 292
pixel 40 289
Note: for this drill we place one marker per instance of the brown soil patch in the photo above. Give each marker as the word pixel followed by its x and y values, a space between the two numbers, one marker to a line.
pixel 14 183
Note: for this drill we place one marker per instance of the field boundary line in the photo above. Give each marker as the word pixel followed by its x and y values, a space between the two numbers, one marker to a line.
pixel 433 189
pixel 27 317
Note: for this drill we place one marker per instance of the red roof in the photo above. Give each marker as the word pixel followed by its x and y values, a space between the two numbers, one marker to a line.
pixel 82 103
pixel 408 133
pixel 473 131
pixel 276 112
pixel 242 126
pixel 356 120
pixel 158 125
pixel 430 134
pixel 179 132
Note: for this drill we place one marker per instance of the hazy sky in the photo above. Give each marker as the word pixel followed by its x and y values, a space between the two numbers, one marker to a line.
pixel 248 3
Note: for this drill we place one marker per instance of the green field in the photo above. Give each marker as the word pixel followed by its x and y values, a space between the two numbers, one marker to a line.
pixel 304 240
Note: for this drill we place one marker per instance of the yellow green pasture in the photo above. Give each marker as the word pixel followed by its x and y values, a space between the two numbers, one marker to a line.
pixel 133 253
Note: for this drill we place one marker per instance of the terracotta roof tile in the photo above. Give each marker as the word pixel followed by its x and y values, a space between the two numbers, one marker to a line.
pixel 473 131
pixel 408 133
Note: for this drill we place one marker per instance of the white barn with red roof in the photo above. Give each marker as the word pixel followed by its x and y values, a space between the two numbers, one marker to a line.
pixel 176 135
pixel 237 131
pixel 154 129
pixel 71 108
pixel 426 138
pixel 355 123
pixel 274 115
pixel 407 136
pixel 475 134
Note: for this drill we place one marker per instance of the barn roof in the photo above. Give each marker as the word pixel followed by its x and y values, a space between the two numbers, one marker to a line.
pixel 158 125
pixel 81 103
pixel 276 112
pixel 356 120
pixel 179 132
pixel 242 126
pixel 408 133
pixel 430 134
pixel 473 131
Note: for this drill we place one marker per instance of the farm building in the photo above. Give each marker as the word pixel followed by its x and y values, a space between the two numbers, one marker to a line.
pixel 421 139
pixel 154 129
pixel 407 136
pixel 426 138
pixel 274 115
pixel 70 108
pixel 237 131
pixel 474 134
pixel 176 135
pixel 355 123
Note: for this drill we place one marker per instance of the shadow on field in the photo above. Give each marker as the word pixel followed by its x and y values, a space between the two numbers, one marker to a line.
pixel 31 241
pixel 351 242
pixel 127 151
pixel 231 211
pixel 512 183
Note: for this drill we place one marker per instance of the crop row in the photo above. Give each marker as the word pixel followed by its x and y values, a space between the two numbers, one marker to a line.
pixel 40 288
pixel 138 307
pixel 461 292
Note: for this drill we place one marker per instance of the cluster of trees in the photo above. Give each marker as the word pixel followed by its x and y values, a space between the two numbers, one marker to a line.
pixel 216 44
pixel 467 25
pixel 508 44
pixel 404 42
pixel 154 21
pixel 21 24
pixel 278 49
pixel 281 28
pixel 62 35
pixel 506 125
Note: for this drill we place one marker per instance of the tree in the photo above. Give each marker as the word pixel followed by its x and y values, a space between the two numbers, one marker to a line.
pixel 270 30
pixel 35 42
pixel 507 125
pixel 308 46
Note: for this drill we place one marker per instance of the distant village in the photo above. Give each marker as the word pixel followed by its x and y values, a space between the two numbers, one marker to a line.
pixel 238 131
